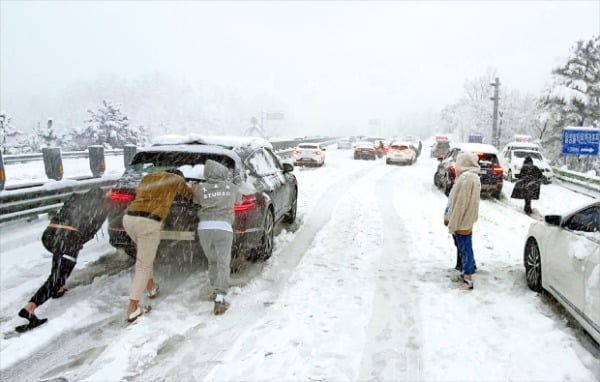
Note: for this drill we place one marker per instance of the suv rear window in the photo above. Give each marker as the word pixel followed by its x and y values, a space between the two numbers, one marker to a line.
pixel 191 164
pixel 523 154
pixel 308 146
pixel 487 160
pixel 399 147
pixel 443 145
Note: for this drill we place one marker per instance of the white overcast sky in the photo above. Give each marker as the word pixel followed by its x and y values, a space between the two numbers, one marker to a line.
pixel 384 57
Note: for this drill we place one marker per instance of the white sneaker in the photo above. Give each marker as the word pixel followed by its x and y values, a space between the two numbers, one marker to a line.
pixel 154 292
pixel 132 316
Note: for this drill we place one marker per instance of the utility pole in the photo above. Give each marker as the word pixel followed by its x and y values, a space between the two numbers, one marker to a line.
pixel 495 98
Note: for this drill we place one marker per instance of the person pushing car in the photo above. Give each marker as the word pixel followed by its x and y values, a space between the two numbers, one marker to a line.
pixel 143 222
pixel 76 223
pixel 216 198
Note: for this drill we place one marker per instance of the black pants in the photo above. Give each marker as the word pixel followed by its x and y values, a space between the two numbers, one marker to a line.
pixel 65 246
pixel 61 270
pixel 527 206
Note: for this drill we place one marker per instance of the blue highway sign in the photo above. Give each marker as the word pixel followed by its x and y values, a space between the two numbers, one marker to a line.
pixel 580 142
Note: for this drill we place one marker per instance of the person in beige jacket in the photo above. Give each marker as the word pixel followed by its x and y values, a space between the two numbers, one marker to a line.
pixel 462 211
pixel 143 222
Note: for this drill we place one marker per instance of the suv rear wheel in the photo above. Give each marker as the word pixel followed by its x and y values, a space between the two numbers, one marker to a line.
pixel 266 246
pixel 291 215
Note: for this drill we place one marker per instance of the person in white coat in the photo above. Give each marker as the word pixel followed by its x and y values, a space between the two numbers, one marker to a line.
pixel 463 210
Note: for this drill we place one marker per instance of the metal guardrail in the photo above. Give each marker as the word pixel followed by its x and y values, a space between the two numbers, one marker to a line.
pixel 29 202
pixel 21 204
pixel 24 158
pixel 585 181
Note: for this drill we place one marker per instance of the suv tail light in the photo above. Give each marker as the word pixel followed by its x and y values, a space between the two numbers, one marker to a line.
pixel 297 152
pixel 248 203
pixel 452 168
pixel 120 196
pixel 317 152
pixel 497 170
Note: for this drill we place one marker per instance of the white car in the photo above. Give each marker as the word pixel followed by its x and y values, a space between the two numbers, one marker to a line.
pixel 309 154
pixel 512 162
pixel 562 256
pixel 400 152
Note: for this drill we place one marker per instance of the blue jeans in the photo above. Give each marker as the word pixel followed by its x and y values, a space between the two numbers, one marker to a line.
pixel 465 248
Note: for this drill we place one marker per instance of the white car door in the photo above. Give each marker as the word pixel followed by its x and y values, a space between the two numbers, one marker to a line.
pixel 572 252
pixel 591 307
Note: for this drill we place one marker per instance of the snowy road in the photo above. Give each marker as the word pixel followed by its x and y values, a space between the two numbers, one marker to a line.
pixel 358 289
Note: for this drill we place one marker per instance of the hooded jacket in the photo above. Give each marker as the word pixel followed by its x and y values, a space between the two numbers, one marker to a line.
pixel 86 213
pixel 156 193
pixel 217 195
pixel 463 201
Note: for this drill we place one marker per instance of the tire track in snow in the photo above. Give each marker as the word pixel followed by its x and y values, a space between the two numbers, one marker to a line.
pixel 191 361
pixel 395 307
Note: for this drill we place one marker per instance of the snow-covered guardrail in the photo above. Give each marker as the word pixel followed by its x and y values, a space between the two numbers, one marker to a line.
pixel 32 157
pixel 590 182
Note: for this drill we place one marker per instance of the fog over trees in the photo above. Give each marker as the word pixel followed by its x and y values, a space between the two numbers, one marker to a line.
pixel 113 111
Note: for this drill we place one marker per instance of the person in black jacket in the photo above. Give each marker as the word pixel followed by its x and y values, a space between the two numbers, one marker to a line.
pixel 76 223
pixel 528 185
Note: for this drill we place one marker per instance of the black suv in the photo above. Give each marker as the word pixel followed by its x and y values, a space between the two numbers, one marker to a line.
pixel 490 171
pixel 270 192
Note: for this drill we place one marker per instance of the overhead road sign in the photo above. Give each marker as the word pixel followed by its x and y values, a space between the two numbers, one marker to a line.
pixel 274 115
pixel 580 141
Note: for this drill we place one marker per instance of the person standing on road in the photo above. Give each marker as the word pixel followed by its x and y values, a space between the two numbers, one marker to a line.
pixel 216 198
pixel 462 212
pixel 528 185
pixel 143 221
pixel 76 223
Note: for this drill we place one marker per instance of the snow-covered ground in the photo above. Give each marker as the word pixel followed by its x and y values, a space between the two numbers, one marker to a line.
pixel 358 289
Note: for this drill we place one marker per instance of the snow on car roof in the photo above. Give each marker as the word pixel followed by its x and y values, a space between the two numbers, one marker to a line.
pixel 523 145
pixel 477 147
pixel 401 143
pixel 217 140
pixel 364 144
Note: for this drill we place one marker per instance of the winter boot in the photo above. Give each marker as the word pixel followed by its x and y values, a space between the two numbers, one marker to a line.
pixel 34 321
pixel 467 285
pixel 221 305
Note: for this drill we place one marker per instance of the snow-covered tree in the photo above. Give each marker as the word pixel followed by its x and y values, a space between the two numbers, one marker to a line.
pixel 473 112
pixel 573 99
pixel 47 135
pixel 8 134
pixel 108 127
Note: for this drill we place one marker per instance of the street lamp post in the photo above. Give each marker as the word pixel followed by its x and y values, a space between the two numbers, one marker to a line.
pixel 495 98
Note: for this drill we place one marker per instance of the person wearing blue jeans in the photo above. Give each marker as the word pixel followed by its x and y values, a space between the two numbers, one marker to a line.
pixel 465 248
pixel 462 212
